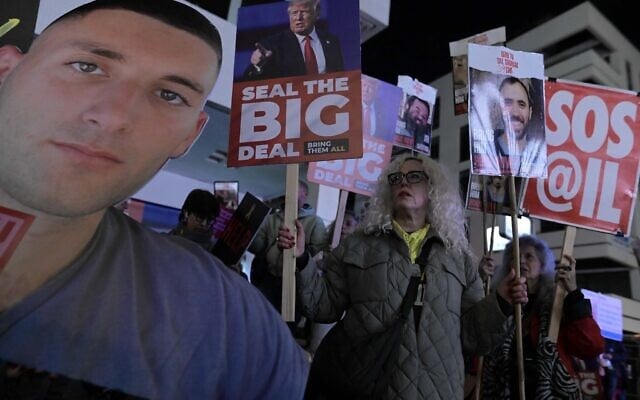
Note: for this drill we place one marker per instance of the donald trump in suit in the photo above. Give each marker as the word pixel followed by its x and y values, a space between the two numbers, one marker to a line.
pixel 304 49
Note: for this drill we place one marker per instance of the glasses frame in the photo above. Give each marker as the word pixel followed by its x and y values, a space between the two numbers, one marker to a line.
pixel 421 177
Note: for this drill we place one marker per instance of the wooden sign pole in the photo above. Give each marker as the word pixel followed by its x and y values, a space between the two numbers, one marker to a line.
pixel 337 225
pixel 289 255
pixel 487 251
pixel 560 293
pixel 516 262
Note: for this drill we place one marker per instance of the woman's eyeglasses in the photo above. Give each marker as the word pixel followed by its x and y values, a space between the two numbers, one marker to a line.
pixel 411 177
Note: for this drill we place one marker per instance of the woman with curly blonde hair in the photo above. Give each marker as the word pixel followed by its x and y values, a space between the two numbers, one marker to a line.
pixel 413 246
pixel 442 210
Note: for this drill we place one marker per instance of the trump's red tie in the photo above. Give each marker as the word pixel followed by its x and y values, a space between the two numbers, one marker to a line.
pixel 310 57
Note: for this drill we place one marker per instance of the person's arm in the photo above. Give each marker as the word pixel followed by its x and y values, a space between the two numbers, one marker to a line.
pixel 323 297
pixel 265 244
pixel 484 318
pixel 260 57
pixel 579 332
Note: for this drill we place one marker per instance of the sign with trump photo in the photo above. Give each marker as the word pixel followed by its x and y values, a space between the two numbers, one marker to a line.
pixel 593 151
pixel 296 92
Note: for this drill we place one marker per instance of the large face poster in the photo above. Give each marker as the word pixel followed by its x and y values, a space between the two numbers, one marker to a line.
pixel 380 102
pixel 460 66
pixel 415 115
pixel 296 94
pixel 506 112
pixel 594 150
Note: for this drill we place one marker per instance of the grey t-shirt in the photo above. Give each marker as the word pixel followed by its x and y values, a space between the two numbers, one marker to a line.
pixel 154 316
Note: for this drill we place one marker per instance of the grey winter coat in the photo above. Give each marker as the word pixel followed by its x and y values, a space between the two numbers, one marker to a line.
pixel 264 244
pixel 367 276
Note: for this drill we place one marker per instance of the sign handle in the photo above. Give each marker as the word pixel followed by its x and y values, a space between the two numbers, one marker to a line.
pixel 337 225
pixel 487 289
pixel 560 293
pixel 516 262
pixel 289 255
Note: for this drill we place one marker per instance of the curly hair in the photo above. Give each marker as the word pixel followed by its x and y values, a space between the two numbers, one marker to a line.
pixel 445 212
pixel 546 284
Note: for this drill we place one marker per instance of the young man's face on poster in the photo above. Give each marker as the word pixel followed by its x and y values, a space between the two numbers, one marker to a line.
pixel 418 113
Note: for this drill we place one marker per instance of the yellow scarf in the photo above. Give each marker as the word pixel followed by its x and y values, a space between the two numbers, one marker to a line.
pixel 413 240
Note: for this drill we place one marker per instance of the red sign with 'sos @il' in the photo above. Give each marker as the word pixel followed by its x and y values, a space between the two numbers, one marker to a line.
pixel 593 150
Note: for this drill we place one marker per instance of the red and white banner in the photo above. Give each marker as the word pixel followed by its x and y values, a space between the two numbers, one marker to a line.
pixel 593 158
pixel 296 119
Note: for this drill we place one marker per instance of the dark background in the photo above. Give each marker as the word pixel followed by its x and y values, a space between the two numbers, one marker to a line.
pixel 416 42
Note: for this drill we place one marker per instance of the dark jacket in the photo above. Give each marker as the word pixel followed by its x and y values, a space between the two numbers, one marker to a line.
pixel 287 58
pixel 266 267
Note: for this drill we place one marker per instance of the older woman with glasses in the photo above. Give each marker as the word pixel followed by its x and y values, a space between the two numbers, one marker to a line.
pixel 413 246
pixel 548 367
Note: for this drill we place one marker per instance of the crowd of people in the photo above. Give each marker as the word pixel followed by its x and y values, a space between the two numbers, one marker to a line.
pixel 93 302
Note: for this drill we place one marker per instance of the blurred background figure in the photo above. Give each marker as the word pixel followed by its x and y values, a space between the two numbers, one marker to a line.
pixel 349 225
pixel 266 267
pixel 197 216
pixel 614 370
